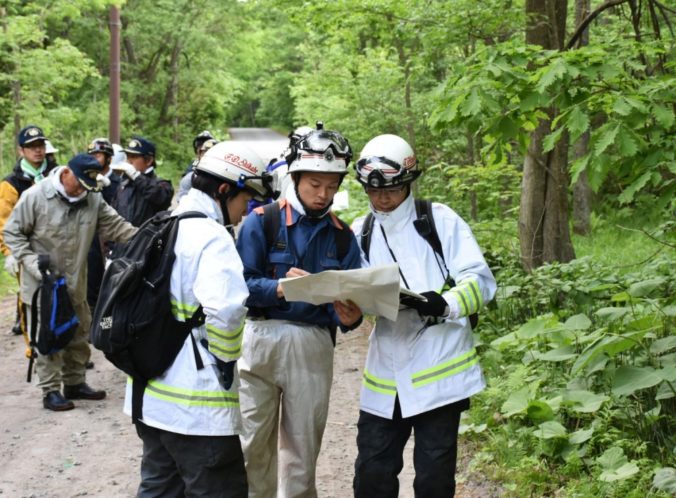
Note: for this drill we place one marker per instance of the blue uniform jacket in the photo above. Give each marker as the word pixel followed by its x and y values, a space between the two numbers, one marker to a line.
pixel 310 245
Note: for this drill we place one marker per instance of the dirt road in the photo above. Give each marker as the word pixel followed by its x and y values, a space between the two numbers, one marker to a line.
pixel 93 450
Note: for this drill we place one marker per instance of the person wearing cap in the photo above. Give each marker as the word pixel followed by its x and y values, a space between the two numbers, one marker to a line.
pixel 286 367
pixel 186 182
pixel 142 193
pixel 30 168
pixel 103 152
pixel 59 217
pixel 50 155
pixel 422 368
pixel 190 418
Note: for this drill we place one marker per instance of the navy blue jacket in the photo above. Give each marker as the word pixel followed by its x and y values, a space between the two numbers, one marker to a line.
pixel 310 245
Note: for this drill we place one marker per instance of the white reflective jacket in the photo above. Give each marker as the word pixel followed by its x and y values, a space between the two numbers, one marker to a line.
pixel 426 366
pixel 207 271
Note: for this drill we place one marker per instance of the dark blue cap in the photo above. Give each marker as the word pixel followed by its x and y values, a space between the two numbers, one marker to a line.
pixel 85 167
pixel 30 134
pixel 141 146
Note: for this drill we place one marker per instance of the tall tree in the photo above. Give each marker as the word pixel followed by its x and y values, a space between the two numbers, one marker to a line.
pixel 543 219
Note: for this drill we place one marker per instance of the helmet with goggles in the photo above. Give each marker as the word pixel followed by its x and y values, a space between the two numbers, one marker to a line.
pixel 239 166
pixel 101 145
pixel 200 139
pixel 387 161
pixel 320 151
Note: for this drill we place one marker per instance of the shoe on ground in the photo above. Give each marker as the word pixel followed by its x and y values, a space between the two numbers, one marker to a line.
pixel 16 330
pixel 54 401
pixel 83 391
pixel 89 365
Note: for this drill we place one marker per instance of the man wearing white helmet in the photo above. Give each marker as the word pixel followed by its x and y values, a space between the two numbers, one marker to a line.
pixel 420 370
pixel 190 418
pixel 287 356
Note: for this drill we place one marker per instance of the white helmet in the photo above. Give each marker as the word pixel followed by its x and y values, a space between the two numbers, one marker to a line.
pixel 49 148
pixel 298 133
pixel 238 165
pixel 320 151
pixel 386 161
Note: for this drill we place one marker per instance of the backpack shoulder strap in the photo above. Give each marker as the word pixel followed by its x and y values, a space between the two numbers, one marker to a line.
pixel 423 210
pixel 271 221
pixel 366 230
pixel 342 233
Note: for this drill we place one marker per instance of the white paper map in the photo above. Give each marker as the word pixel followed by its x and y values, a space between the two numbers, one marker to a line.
pixel 375 290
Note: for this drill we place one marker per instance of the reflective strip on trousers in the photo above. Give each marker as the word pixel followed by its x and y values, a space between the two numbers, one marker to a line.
pixel 187 397
pixel 447 369
pixel 383 386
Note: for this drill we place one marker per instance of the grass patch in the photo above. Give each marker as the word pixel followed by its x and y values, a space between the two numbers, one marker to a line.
pixel 8 283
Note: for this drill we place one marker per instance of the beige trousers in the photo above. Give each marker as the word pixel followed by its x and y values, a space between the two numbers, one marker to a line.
pixel 285 372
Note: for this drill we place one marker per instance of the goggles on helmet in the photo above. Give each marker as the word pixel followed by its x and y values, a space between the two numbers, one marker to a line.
pixel 320 141
pixel 260 194
pixel 380 172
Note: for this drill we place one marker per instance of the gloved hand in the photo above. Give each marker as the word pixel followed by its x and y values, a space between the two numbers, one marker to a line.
pixel 11 265
pixel 126 169
pixel 102 181
pixel 227 370
pixel 434 306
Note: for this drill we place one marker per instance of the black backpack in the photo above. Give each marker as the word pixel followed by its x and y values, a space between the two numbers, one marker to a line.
pixel 53 321
pixel 133 323
pixel 426 228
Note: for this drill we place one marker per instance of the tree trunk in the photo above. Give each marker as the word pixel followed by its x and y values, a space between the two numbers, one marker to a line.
pixel 543 219
pixel 582 192
pixel 169 105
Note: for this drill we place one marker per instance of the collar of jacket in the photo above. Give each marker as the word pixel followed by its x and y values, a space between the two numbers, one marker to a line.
pixel 51 192
pixel 196 200
pixel 398 218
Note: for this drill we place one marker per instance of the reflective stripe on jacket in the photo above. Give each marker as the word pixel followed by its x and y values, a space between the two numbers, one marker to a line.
pixel 207 272
pixel 426 366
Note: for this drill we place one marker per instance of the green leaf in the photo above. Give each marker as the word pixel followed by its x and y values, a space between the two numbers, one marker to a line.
pixel 606 137
pixel 550 430
pixel 508 128
pixel 536 326
pixel 581 436
pixel 664 392
pixel 550 140
pixel 559 354
pixel 630 379
pixel 516 403
pixel 665 479
pixel 624 472
pixel 553 72
pixel 584 401
pixel 612 458
pixel 615 465
pixel 612 314
pixel 626 143
pixel 628 193
pixel 578 322
pixel 577 123
pixel 663 345
pixel 663 115
pixel 472 104
pixel 667 373
pixel 646 287
pixel 539 411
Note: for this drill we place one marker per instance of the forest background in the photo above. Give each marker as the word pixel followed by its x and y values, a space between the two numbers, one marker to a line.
pixel 547 124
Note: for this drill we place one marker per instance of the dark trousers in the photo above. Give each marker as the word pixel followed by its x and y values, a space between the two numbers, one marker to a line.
pixel 175 465
pixel 381 442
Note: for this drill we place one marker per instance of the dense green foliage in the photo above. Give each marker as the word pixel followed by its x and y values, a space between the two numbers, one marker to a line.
pixel 580 357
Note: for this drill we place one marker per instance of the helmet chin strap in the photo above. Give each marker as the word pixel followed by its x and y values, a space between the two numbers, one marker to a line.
pixel 312 213
pixel 223 198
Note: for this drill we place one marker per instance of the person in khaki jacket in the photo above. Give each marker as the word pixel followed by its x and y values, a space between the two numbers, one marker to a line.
pixel 30 168
pixel 59 217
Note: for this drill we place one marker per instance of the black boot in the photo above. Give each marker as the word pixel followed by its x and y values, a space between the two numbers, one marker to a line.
pixel 57 403
pixel 83 391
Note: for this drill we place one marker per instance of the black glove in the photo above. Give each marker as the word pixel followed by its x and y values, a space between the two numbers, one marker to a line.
pixel 227 370
pixel 434 306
